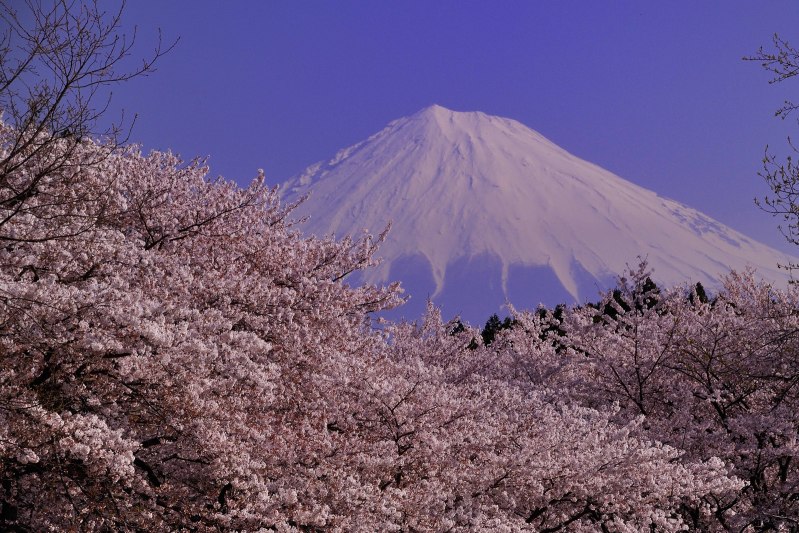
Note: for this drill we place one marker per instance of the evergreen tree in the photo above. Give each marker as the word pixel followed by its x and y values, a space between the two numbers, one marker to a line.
pixel 493 326
pixel 698 294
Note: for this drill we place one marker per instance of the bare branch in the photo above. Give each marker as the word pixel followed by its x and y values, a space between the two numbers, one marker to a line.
pixel 57 60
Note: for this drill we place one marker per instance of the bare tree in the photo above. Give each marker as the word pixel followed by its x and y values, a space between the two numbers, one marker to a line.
pixel 57 58
pixel 782 176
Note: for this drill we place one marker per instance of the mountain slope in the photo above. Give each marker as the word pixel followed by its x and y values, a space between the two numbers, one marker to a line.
pixel 472 191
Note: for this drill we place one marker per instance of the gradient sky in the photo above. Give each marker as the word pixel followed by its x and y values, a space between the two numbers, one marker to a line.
pixel 655 92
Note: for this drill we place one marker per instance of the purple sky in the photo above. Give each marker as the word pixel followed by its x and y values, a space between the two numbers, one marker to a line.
pixel 653 91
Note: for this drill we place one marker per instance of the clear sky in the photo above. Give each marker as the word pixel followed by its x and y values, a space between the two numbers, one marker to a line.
pixel 654 91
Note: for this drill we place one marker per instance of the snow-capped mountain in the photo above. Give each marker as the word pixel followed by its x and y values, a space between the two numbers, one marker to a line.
pixel 485 210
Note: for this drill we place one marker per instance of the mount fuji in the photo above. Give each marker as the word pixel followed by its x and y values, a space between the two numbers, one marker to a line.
pixel 485 211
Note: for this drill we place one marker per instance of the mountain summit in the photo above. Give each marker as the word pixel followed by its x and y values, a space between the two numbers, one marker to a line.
pixel 485 210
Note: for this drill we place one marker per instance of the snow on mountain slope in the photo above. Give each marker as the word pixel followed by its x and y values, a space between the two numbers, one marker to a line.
pixel 469 190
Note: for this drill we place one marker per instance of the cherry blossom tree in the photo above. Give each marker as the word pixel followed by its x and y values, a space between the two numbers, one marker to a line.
pixel 714 379
pixel 58 62
pixel 489 446
pixel 176 356
pixel 153 327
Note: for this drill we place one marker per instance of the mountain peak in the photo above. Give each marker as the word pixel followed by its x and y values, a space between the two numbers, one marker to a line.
pixel 466 191
pixel 433 109
pixel 437 119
